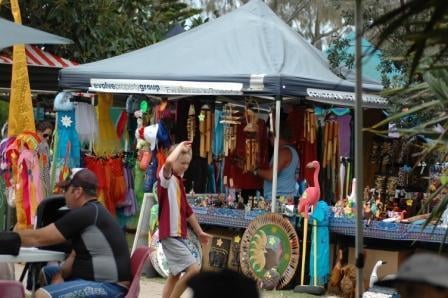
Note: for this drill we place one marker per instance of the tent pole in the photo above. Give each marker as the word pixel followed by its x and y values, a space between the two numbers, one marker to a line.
pixel 278 100
pixel 359 152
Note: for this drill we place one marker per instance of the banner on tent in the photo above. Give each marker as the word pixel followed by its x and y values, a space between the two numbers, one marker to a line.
pixel 347 96
pixel 165 87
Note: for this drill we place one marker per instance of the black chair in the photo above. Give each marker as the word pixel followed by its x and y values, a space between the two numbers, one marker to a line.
pixel 48 211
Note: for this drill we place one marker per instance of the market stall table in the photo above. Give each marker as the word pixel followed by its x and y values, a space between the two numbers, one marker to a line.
pixel 33 255
pixel 388 230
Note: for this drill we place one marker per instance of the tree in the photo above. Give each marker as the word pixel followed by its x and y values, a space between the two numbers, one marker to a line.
pixel 316 20
pixel 101 28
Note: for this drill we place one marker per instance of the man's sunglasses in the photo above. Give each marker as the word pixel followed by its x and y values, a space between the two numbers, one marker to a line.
pixel 46 135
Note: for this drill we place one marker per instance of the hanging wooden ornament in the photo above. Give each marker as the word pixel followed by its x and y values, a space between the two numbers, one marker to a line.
pixel 230 121
pixel 202 131
pixel 191 122
pixel 270 245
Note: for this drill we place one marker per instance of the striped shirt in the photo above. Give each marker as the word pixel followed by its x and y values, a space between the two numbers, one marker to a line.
pixel 173 207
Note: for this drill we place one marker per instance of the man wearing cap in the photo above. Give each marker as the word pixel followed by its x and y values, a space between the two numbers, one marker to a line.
pixel 99 264
pixel 422 275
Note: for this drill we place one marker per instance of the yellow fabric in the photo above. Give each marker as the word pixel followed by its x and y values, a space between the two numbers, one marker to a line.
pixel 107 141
pixel 21 117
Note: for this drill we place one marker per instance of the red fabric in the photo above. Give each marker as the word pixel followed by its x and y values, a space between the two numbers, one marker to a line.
pixel 307 151
pixel 138 259
pixel 233 165
pixel 121 124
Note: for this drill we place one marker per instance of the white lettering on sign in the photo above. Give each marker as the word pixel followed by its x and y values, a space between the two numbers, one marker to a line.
pixel 348 96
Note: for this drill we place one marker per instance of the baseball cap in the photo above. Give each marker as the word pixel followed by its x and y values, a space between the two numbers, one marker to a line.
pixel 421 268
pixel 150 135
pixel 81 177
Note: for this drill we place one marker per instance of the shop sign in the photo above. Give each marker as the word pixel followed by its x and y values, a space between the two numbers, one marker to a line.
pixel 165 87
pixel 344 96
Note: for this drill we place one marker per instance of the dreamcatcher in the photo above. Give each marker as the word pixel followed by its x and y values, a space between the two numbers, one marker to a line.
pixel 269 251
pixel 251 129
pixel 230 121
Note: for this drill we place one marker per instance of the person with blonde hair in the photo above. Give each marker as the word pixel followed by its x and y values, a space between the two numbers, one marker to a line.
pixel 174 215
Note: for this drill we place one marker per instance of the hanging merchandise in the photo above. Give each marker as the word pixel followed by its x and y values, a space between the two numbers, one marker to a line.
pixel 252 145
pixel 205 130
pixel 191 122
pixel 218 135
pixel 310 124
pixel 86 122
pixel 26 189
pixel 107 141
pixel 230 121
pixel 66 143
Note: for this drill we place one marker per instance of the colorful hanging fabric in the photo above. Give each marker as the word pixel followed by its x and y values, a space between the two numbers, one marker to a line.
pixel 107 141
pixel 86 122
pixel 67 150
pixel 20 116
pixel 29 180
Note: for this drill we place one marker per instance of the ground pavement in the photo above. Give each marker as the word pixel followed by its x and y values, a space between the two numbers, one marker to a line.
pixel 152 288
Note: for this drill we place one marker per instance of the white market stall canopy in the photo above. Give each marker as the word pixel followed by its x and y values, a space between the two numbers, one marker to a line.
pixel 12 33
pixel 248 51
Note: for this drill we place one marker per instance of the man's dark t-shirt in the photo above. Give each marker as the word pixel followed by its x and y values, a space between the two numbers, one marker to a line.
pixel 102 253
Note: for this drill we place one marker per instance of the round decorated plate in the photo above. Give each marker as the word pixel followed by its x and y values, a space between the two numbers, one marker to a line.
pixel 270 244
pixel 158 259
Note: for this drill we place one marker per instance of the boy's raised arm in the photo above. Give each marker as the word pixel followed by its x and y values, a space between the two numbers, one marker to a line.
pixel 182 147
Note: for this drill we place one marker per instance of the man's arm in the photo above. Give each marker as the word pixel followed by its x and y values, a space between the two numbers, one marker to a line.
pixel 284 158
pixel 45 236
pixel 66 267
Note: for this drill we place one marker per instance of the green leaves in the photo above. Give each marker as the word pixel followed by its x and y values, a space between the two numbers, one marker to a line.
pixel 102 28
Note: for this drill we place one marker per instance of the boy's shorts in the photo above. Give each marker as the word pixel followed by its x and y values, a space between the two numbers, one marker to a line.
pixel 80 287
pixel 178 255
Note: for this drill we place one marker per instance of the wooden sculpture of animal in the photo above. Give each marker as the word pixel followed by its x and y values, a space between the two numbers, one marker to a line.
pixel 334 284
pixel 348 282
pixel 311 195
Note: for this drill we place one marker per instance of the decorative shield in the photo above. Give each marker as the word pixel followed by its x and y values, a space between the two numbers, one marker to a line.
pixel 158 259
pixel 270 242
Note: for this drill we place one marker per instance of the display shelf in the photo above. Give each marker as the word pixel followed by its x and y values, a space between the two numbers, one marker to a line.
pixel 388 231
pixel 234 218
pixel 237 218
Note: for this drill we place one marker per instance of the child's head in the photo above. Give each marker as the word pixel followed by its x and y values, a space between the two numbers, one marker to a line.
pixel 183 160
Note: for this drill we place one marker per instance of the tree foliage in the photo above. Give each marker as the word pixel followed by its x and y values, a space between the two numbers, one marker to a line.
pixel 316 20
pixel 102 28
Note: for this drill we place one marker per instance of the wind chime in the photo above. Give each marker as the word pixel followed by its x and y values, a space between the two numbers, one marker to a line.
pixel 252 146
pixel 310 123
pixel 205 130
pixel 230 121
pixel 191 122
pixel 330 160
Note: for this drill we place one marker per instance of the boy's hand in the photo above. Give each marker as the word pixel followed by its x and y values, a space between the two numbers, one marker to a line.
pixel 185 146
pixel 204 237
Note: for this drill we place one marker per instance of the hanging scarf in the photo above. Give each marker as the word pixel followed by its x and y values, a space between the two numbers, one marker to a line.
pixel 67 147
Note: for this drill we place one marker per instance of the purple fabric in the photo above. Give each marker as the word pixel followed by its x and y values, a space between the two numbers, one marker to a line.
pixel 345 134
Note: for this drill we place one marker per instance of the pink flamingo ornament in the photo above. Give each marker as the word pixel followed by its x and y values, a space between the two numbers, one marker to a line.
pixel 311 195
pixel 309 198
